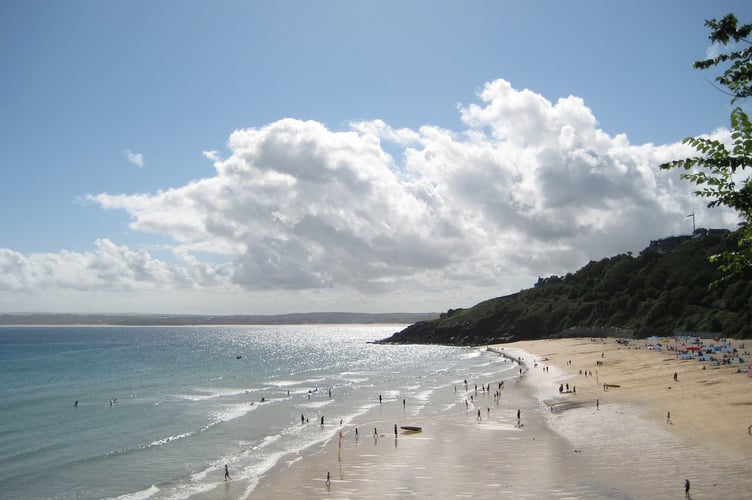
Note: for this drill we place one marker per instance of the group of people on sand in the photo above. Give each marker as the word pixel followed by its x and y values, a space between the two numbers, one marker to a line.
pixel 567 390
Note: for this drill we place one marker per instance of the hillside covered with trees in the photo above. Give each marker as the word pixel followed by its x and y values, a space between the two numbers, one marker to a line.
pixel 670 287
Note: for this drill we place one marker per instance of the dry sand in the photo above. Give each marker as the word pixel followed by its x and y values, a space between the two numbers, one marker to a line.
pixel 563 447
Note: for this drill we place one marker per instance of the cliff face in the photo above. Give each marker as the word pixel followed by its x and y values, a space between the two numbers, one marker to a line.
pixel 658 292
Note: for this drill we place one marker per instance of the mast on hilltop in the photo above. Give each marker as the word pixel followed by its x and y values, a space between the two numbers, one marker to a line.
pixel 693 221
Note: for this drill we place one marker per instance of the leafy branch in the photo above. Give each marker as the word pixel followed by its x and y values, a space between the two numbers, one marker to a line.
pixel 716 169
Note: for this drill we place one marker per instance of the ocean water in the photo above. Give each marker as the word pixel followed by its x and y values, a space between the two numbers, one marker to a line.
pixel 161 410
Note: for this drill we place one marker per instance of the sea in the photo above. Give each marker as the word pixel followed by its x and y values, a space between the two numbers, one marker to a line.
pixel 156 412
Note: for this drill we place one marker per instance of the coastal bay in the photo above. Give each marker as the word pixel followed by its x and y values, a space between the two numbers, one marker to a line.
pixel 592 443
pixel 154 412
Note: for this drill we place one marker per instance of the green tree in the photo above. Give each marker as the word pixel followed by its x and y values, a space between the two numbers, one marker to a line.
pixel 717 169
pixel 738 75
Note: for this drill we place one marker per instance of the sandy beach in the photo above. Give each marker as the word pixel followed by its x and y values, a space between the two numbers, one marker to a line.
pixel 708 406
pixel 590 442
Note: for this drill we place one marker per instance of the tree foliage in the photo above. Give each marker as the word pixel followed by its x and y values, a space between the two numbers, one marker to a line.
pixel 718 170
pixel 738 75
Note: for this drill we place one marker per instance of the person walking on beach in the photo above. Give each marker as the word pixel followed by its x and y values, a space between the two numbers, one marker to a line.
pixel 395 431
pixel 328 480
pixel 227 474
pixel 686 488
pixel 668 417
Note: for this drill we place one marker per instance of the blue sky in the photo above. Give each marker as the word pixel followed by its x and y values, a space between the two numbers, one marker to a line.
pixel 267 157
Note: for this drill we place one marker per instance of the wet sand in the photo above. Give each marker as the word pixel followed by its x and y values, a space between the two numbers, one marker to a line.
pixel 562 447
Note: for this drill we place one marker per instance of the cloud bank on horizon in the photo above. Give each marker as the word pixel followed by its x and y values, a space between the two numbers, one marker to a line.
pixel 421 219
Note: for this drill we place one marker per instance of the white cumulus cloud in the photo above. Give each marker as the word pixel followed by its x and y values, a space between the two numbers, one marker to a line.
pixel 108 267
pixel 528 188
pixel 135 158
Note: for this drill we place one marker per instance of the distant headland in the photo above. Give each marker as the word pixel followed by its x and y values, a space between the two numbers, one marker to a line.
pixel 671 288
pixel 318 318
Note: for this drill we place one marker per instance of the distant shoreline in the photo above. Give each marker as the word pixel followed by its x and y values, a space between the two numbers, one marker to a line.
pixel 103 320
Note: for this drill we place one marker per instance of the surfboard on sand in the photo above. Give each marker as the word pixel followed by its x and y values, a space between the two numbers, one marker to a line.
pixel 411 428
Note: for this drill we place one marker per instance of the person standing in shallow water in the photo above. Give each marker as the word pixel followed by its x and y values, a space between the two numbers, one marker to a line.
pixel 686 488
pixel 227 474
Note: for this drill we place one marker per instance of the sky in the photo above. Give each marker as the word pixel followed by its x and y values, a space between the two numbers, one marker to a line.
pixel 239 157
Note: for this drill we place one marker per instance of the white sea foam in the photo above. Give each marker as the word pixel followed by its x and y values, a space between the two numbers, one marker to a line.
pixel 309 382
pixel 231 412
pixel 390 395
pixel 268 440
pixel 184 491
pixel 139 495
pixel 240 469
pixel 161 442
pixel 471 354
pixel 199 476
pixel 424 395
pixel 356 377
pixel 284 383
pixel 207 394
